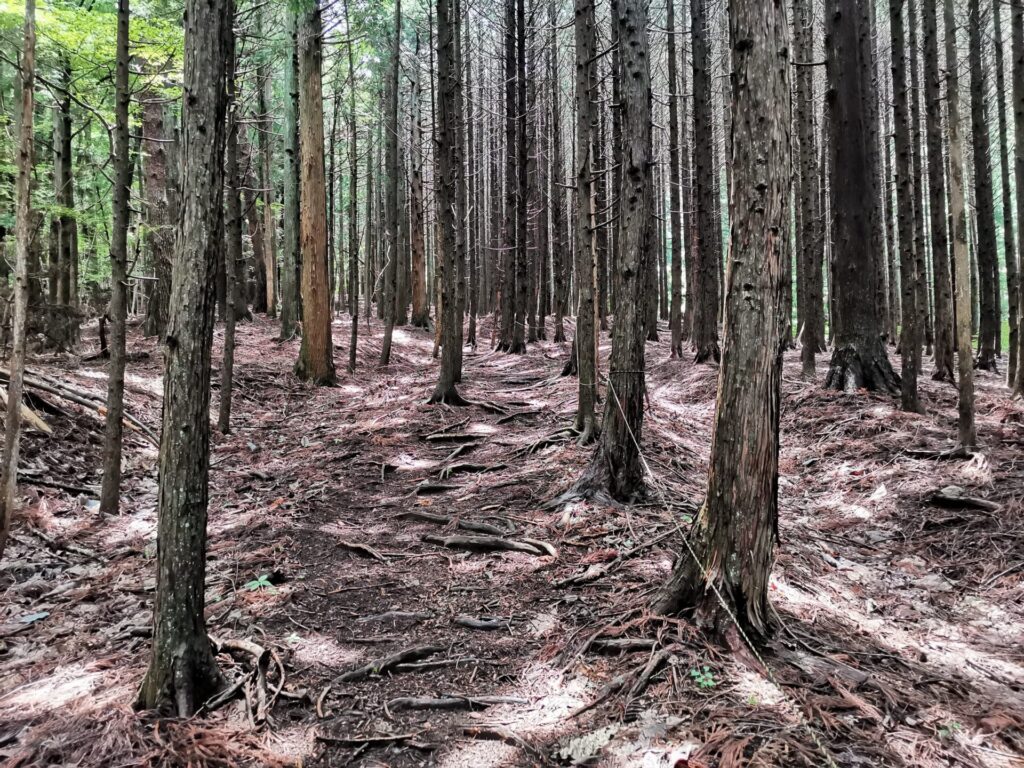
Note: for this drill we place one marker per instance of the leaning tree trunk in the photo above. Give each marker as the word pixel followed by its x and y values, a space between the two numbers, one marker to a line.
pixel 723 574
pixel 859 360
pixel 110 492
pixel 707 260
pixel 23 237
pixel 182 671
pixel 316 355
pixel 961 261
pixel 616 468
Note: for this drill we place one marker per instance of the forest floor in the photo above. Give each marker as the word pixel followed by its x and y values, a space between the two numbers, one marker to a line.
pixel 901 613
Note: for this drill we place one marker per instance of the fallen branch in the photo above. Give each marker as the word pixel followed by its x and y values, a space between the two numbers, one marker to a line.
pixel 486 623
pixel 467 468
pixel 387 663
pixel 497 733
pixel 449 702
pixel 486 544
pixel 362 549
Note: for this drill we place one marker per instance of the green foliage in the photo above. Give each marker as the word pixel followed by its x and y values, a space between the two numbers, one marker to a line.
pixel 260 584
pixel 703 677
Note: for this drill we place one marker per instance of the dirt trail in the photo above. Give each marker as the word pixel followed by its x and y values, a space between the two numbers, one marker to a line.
pixel 336 517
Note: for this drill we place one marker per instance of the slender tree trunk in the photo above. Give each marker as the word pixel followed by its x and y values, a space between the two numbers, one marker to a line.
pixel 1017 34
pixel 811 231
pixel 232 244
pixel 943 286
pixel 182 671
pixel 731 547
pixel 1009 242
pixel 562 263
pixel 988 270
pixel 859 360
pixel 159 233
pixel 264 87
pixel 521 191
pixel 920 272
pixel 23 237
pixel 910 336
pixel 420 304
pixel 316 355
pixel 110 492
pixel 708 227
pixel 391 203
pixel 290 235
pixel 961 262
pixel 616 465
pixel 584 348
pixel 675 98
pixel 449 165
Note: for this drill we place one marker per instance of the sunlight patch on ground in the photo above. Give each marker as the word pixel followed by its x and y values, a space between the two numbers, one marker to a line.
pixel 57 691
pixel 320 650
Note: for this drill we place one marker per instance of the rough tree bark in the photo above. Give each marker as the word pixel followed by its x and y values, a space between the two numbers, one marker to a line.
pixel 110 492
pixel 988 267
pixel 707 229
pixel 449 166
pixel 735 532
pixel 159 230
pixel 316 355
pixel 182 671
pixel 584 346
pixel 910 329
pixel 859 359
pixel 420 306
pixel 616 467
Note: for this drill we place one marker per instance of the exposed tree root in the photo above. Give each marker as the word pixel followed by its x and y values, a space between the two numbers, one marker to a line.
pixel 490 544
pixel 449 702
pixel 387 663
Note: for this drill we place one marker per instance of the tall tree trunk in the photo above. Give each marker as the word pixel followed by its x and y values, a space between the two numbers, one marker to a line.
pixel 522 251
pixel 561 250
pixel 943 286
pixel 391 202
pixel 420 306
pixel 811 234
pixel 353 182
pixel 1009 242
pixel 859 360
pixel 988 267
pixel 616 465
pixel 264 87
pixel 921 298
pixel 290 230
pixel 707 231
pixel 233 259
pixel 449 165
pixel 675 99
pixel 110 492
pixel 1017 28
pixel 731 546
pixel 23 237
pixel 585 246
pixel 182 671
pixel 316 355
pixel 910 336
pixel 961 263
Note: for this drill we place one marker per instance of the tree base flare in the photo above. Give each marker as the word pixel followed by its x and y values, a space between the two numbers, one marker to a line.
pixel 179 680
pixel 852 369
